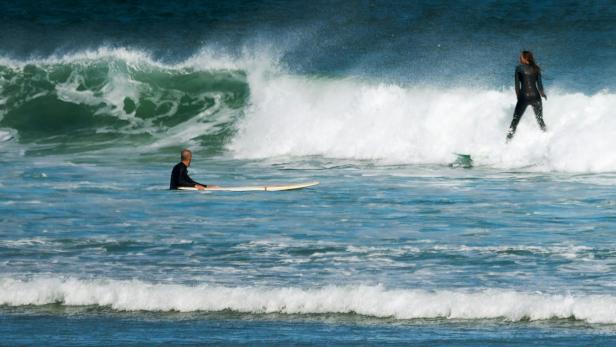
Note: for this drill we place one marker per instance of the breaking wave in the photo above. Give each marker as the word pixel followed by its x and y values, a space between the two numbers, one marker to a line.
pixel 249 107
pixel 115 98
pixel 375 301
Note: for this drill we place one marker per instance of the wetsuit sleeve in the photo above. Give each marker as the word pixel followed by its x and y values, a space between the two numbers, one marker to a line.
pixel 517 81
pixel 540 84
pixel 185 180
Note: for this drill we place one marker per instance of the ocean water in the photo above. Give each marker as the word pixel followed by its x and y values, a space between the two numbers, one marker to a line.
pixel 394 247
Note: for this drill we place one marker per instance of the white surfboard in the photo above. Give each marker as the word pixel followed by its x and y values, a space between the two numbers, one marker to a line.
pixel 270 188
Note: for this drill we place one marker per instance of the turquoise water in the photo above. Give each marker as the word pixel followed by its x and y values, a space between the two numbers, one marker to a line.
pixel 395 246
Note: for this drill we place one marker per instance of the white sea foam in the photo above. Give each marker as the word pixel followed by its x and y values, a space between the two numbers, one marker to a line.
pixel 374 301
pixel 296 116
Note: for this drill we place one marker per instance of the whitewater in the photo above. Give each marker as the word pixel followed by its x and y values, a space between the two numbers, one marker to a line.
pixel 252 108
pixel 362 300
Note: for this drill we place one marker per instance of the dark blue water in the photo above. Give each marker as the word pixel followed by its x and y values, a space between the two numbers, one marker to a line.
pixel 400 41
pixel 372 99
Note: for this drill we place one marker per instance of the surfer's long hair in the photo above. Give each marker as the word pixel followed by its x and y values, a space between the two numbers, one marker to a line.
pixel 526 57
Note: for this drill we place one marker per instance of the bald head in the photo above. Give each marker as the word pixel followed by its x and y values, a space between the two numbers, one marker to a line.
pixel 186 155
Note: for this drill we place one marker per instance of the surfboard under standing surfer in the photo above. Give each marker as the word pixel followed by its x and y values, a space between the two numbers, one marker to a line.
pixel 529 90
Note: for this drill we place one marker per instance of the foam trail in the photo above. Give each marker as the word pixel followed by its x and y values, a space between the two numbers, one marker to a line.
pixel 373 301
pixel 296 116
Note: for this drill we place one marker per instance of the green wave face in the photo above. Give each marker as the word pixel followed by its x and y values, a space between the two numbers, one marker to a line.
pixel 95 104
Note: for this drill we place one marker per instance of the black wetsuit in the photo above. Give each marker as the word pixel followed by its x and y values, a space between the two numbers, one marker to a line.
pixel 180 178
pixel 529 89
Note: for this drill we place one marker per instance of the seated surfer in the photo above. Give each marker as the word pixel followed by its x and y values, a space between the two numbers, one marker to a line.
pixel 529 90
pixel 179 174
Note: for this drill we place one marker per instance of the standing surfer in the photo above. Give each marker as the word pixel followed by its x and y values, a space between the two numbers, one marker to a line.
pixel 529 90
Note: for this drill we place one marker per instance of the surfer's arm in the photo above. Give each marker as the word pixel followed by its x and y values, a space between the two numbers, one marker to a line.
pixel 186 181
pixel 540 86
pixel 191 183
pixel 517 82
